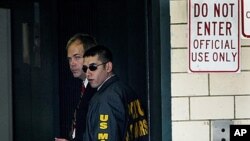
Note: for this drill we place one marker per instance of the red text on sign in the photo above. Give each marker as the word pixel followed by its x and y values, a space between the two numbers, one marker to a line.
pixel 214 28
pixel 224 10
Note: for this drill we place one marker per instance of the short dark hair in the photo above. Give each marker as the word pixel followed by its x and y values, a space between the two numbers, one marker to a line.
pixel 105 55
pixel 85 39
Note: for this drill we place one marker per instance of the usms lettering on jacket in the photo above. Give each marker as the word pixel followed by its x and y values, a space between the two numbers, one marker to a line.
pixel 138 125
pixel 103 125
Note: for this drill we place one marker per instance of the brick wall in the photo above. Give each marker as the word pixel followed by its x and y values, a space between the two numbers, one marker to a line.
pixel 198 99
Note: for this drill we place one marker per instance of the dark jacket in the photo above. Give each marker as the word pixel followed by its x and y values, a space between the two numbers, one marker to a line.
pixel 115 114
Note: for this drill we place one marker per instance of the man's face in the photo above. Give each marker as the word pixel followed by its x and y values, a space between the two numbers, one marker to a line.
pixel 98 76
pixel 75 57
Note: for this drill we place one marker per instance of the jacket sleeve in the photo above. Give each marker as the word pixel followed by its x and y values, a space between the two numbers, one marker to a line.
pixel 107 119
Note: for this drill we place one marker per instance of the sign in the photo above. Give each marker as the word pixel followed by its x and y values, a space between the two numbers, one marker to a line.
pixel 214 44
pixel 245 6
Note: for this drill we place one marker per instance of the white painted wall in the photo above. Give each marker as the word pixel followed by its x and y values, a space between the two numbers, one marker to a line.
pixel 199 99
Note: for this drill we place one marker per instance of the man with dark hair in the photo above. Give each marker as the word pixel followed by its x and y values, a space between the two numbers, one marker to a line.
pixel 115 112
pixel 76 47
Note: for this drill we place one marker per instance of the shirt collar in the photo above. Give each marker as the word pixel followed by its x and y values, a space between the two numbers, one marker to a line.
pixel 85 82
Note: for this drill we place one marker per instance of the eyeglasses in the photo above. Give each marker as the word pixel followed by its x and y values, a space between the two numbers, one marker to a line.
pixel 92 67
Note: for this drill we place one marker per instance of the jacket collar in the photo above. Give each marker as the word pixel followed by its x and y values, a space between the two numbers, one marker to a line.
pixel 108 82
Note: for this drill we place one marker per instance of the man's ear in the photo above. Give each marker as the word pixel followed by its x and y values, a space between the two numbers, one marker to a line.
pixel 109 66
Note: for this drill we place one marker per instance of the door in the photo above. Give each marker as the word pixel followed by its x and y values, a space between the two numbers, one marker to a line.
pixel 5 76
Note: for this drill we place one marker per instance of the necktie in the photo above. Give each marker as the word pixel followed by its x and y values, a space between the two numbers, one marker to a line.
pixel 83 89
pixel 73 129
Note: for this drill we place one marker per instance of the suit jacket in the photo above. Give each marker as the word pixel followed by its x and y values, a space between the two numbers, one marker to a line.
pixel 81 112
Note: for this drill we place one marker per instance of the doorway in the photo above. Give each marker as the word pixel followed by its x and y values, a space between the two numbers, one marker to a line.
pixel 5 76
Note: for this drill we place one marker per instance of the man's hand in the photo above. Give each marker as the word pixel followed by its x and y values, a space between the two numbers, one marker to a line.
pixel 60 139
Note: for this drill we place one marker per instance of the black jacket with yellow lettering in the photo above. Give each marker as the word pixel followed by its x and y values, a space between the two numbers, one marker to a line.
pixel 115 114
